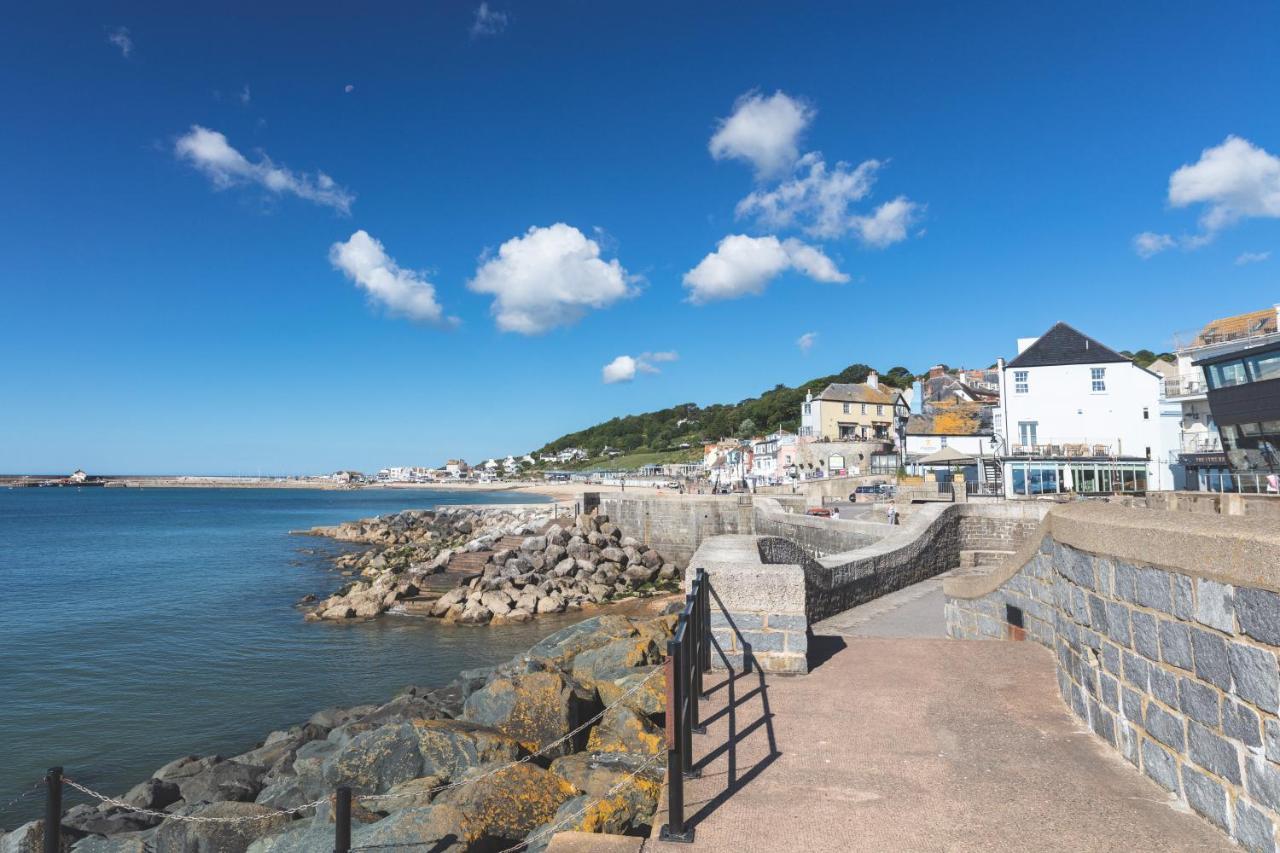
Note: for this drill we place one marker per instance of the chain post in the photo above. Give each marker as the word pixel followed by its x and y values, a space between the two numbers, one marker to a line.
pixel 53 811
pixel 342 821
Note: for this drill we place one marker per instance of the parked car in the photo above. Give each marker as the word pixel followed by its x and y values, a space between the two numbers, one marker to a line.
pixel 875 489
pixel 819 511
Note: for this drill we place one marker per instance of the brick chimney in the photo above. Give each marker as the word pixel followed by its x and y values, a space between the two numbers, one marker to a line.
pixel 936 371
pixel 873 380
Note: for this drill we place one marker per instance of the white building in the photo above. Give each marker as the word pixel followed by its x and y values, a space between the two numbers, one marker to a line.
pixel 1077 417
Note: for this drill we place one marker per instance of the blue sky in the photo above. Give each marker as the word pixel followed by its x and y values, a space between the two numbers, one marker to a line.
pixel 184 291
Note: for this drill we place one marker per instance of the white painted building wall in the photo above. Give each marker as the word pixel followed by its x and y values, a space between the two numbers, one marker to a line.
pixel 1060 400
pixel 974 445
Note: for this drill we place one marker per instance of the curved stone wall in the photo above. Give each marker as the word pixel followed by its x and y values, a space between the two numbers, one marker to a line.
pixel 1165 627
pixel 929 541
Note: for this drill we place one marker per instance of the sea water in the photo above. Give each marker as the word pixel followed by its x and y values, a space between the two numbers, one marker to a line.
pixel 139 625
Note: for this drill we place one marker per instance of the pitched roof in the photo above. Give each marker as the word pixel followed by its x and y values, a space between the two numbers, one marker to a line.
pixel 1064 345
pixel 841 392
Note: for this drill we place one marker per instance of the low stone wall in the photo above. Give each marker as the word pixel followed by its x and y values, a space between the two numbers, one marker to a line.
pixel 928 542
pixel 676 525
pixel 1258 506
pixel 817 536
pixel 765 604
pixel 1165 627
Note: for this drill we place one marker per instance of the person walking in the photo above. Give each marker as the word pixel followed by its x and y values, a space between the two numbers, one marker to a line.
pixel 835 513
pixel 891 514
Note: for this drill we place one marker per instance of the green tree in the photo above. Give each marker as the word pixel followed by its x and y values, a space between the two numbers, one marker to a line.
pixel 747 428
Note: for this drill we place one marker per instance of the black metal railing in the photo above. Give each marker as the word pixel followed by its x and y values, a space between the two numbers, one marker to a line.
pixel 688 657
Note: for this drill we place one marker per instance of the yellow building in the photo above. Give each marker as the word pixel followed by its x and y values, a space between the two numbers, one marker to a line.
pixel 849 412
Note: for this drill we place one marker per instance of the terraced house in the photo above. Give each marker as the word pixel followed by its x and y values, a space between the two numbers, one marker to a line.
pixel 853 412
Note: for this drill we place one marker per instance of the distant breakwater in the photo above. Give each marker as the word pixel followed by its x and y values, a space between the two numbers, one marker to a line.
pixel 488 566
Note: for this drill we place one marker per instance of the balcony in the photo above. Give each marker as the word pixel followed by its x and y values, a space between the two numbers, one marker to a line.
pixel 1200 442
pixel 1174 388
pixel 1075 447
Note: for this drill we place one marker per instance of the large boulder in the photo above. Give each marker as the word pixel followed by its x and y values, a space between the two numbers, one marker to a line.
pixel 182 836
pixel 450 747
pixel 437 828
pixel 129 842
pixel 505 806
pixel 375 760
pixel 621 729
pixel 303 836
pixel 223 782
pixel 534 709
pixel 636 690
pixel 615 658
pixel 29 838
pixel 564 645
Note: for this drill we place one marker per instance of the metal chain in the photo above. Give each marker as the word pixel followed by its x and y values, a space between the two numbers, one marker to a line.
pixel 526 759
pixel 111 801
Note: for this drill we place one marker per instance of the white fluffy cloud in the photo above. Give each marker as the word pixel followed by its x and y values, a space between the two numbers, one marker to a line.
pixel 1235 180
pixel 403 292
pixel 743 265
pixel 888 224
pixel 806 341
pixel 624 368
pixel 1149 243
pixel 210 152
pixel 1251 258
pixel 549 277
pixel 119 36
pixel 817 200
pixel 488 22
pixel 764 131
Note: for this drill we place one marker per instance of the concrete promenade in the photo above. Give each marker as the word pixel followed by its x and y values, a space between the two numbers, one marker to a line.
pixel 902 742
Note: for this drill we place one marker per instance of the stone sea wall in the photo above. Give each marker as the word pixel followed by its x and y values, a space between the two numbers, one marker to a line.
pixel 677 525
pixel 1165 627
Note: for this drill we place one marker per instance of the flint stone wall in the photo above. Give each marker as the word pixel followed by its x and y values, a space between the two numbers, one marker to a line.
pixel 1171 660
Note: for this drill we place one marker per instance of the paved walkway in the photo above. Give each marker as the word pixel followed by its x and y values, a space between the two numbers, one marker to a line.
pixel 916 611
pixel 918 745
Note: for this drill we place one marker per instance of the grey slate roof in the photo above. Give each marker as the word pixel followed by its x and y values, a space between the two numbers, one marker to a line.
pixel 1064 345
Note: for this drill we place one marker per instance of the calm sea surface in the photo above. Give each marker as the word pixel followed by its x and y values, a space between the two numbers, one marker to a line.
pixel 138 625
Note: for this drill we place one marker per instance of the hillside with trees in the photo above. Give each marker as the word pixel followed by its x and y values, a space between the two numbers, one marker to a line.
pixel 688 423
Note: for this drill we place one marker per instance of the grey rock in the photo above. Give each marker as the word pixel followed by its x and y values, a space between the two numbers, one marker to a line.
pixel 1241 723
pixel 1213 753
pixel 1207 797
pixel 1211 658
pixel 1256 676
pixel 1166 728
pixel 1160 766
pixel 1153 589
pixel 1146 637
pixel 223 782
pixel 1175 644
pixel 1259 613
pixel 1164 686
pixel 1215 604
pixel 1199 702
pixel 1262 781
pixel 1254 830
pixel 219 837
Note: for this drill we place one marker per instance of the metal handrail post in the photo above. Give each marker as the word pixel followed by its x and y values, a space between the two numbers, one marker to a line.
pixel 53 811
pixel 674 829
pixel 342 821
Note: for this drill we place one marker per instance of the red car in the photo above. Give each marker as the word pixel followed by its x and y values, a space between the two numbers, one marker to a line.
pixel 821 512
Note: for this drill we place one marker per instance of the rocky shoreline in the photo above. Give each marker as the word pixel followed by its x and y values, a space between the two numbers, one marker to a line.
pixel 487 566
pixel 565 736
